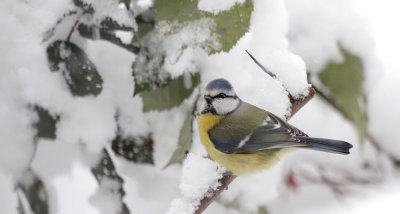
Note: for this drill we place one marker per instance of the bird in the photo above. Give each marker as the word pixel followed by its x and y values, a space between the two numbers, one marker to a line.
pixel 246 139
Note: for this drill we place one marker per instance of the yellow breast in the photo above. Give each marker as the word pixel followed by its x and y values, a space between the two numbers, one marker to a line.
pixel 237 163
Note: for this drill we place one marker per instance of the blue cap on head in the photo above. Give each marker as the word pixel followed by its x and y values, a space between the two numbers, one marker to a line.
pixel 219 84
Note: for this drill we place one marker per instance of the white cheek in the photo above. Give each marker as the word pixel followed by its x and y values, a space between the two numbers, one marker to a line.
pixel 224 106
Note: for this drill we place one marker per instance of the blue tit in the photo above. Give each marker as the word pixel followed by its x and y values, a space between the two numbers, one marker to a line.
pixel 244 138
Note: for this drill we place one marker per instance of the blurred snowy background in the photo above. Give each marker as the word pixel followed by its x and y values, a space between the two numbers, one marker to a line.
pixel 97 101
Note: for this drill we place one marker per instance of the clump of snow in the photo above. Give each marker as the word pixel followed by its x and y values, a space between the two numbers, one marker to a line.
pixel 16 129
pixel 145 4
pixel 65 199
pixel 125 36
pixel 148 188
pixel 106 198
pixel 199 176
pixel 217 6
pixel 289 69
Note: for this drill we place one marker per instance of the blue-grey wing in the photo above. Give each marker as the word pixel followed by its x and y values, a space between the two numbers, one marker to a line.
pixel 251 129
pixel 274 133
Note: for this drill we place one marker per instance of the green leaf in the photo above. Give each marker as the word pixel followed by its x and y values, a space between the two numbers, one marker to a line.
pixel 46 126
pixel 231 25
pixel 262 210
pixel 138 149
pixel 185 137
pixel 172 94
pixel 79 72
pixel 344 82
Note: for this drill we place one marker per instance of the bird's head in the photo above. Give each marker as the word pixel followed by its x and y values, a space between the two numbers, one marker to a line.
pixel 220 98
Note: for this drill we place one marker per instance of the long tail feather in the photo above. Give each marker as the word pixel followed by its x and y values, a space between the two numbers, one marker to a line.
pixel 327 145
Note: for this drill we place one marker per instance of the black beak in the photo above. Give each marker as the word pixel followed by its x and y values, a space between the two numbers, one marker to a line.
pixel 208 99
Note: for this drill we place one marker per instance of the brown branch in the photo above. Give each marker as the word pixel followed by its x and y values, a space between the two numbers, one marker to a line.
pixel 296 105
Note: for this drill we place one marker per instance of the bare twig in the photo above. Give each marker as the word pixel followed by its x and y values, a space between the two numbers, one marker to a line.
pixel 338 184
pixel 73 27
pixel 261 66
pixel 296 105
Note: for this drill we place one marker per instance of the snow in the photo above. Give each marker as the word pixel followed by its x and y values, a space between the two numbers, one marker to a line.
pixel 125 36
pixel 147 187
pixel 79 179
pixel 202 172
pixel 105 199
pixel 8 196
pixel 288 37
pixel 217 6
pixel 17 118
pixel 144 3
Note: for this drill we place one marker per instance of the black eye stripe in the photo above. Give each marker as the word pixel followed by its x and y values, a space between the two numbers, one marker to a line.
pixel 222 96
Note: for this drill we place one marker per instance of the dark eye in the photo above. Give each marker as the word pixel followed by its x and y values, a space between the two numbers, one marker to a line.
pixel 220 95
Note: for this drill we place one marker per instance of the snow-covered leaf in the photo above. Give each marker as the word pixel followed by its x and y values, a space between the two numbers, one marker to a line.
pixel 172 94
pixel 94 32
pixel 344 82
pixel 230 25
pixel 147 69
pixel 109 196
pixel 138 149
pixel 185 137
pixel 78 70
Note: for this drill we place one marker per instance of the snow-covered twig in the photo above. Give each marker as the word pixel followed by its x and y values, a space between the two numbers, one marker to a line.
pixel 296 105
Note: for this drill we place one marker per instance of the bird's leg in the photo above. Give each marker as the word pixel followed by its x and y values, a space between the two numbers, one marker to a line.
pixel 225 177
